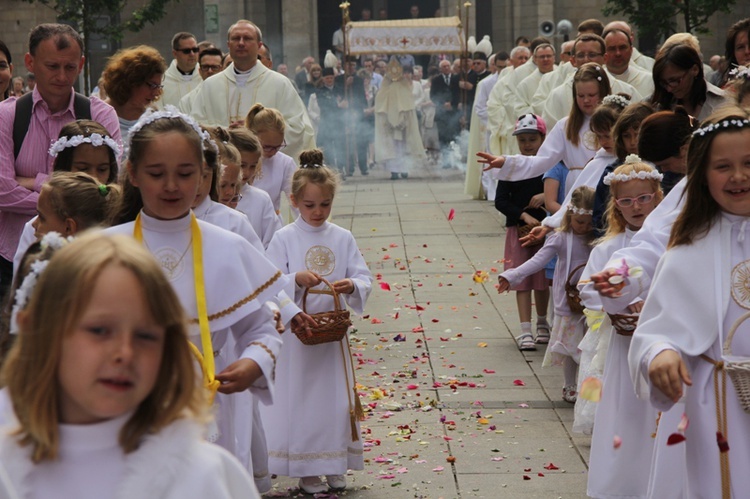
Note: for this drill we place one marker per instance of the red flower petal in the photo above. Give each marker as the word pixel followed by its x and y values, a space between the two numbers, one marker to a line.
pixel 519 382
pixel 551 466
pixel 675 438
pixel 451 214
pixel 385 286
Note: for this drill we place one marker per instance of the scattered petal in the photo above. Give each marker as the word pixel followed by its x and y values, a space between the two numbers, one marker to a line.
pixel 684 423
pixel 675 438
pixel 375 320
pixel 385 286
pixel 451 459
pixel 519 382
pixel 523 406
pixel 482 345
pixel 551 466
pixel 591 389
pixel 489 371
pixel 526 477
pixel 499 458
pixel 451 214
pixel 438 469
pixel 617 442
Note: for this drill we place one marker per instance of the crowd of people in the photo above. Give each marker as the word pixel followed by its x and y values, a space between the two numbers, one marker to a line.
pixel 149 273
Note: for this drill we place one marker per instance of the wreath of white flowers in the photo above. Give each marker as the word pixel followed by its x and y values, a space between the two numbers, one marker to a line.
pixel 740 72
pixel 95 139
pixel 169 112
pixel 735 123
pixel 579 211
pixel 616 99
pixel 625 177
pixel 23 293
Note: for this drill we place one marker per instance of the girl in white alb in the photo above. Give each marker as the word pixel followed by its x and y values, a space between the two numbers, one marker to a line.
pixel 571 244
pixel 254 203
pixel 278 168
pixel 693 325
pixel 566 142
pixel 106 400
pixel 621 471
pixel 311 427
pixel 222 281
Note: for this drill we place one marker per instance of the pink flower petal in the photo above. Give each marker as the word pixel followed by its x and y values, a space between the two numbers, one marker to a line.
pixel 616 442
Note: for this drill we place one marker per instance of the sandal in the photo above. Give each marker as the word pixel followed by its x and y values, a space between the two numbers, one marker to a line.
pixel 525 342
pixel 542 333
pixel 570 394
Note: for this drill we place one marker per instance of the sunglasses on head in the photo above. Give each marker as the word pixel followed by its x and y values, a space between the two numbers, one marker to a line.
pixel 194 50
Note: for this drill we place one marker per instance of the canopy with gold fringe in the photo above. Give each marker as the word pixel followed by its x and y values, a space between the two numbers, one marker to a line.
pixel 439 35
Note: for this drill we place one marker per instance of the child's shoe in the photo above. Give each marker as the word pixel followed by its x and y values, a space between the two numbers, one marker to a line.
pixel 336 482
pixel 312 485
pixel 570 394
pixel 542 333
pixel 525 342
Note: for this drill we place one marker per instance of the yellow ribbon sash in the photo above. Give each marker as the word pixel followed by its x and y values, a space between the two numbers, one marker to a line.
pixel 207 359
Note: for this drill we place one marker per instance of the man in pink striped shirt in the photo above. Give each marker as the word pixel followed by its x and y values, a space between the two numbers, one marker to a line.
pixel 56 58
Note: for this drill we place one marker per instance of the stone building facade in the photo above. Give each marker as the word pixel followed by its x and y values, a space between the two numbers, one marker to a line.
pixel 297 28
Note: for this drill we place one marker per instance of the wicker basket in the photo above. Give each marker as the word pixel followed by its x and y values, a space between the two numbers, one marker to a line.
pixel 572 294
pixel 332 326
pixel 524 230
pixel 739 370
pixel 624 324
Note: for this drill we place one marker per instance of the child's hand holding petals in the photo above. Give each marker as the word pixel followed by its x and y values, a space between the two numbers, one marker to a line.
pixel 502 284
pixel 302 324
pixel 344 286
pixel 602 284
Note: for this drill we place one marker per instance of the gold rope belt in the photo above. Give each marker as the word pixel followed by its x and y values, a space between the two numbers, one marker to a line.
pixel 720 377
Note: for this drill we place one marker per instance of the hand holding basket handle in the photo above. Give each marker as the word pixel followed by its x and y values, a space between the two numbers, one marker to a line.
pixel 331 326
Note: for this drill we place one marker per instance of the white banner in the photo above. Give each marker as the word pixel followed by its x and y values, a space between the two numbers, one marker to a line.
pixel 437 35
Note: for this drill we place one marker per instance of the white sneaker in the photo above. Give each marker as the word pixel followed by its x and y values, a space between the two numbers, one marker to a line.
pixel 312 485
pixel 336 482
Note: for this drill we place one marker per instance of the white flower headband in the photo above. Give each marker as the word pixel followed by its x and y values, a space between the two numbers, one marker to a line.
pixel 95 139
pixel 170 112
pixel 579 211
pixel 616 99
pixel 625 177
pixel 740 72
pixel 721 124
pixel 23 293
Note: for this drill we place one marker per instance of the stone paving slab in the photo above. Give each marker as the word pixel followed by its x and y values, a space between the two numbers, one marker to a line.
pixel 440 422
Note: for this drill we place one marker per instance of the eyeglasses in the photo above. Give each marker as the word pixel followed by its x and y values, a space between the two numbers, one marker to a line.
pixel 274 148
pixel 569 54
pixel 210 68
pixel 628 202
pixel 193 50
pixel 154 86
pixel 672 82
pixel 587 55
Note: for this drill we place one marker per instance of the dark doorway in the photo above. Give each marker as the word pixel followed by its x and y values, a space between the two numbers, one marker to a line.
pixel 399 9
pixel 329 20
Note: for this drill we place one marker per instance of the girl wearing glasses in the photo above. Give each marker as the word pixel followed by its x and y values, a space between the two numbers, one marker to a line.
pixel 132 80
pixel 276 176
pixel 678 80
pixel 624 471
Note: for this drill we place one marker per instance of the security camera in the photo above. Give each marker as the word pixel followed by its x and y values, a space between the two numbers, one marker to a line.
pixel 546 28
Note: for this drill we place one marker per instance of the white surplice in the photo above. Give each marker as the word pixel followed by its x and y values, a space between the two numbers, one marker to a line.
pixel 693 303
pixel 308 426
pixel 239 280
pixel 275 177
pixel 177 85
pixel 228 219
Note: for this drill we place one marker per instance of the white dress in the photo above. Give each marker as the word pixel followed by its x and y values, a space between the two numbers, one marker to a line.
pixel 239 280
pixel 175 463
pixel 691 308
pixel 308 426
pixel 276 177
pixel 257 206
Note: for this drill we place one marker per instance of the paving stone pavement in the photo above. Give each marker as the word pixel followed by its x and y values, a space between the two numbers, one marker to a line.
pixel 455 410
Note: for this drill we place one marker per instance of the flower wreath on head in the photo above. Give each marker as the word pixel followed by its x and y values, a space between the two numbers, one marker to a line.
pixel 616 99
pixel 23 294
pixel 95 139
pixel 578 211
pixel 170 112
pixel 634 175
pixel 740 72
pixel 733 123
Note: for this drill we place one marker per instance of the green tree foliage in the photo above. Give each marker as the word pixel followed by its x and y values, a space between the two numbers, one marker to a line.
pixel 657 19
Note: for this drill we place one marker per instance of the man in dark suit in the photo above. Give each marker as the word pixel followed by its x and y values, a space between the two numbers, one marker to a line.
pixel 444 93
pixel 350 91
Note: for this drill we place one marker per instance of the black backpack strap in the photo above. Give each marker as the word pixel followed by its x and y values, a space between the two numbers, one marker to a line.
pixel 21 121
pixel 82 107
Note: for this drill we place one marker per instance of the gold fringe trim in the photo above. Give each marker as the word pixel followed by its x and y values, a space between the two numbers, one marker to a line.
pixel 243 301
pixel 270 353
